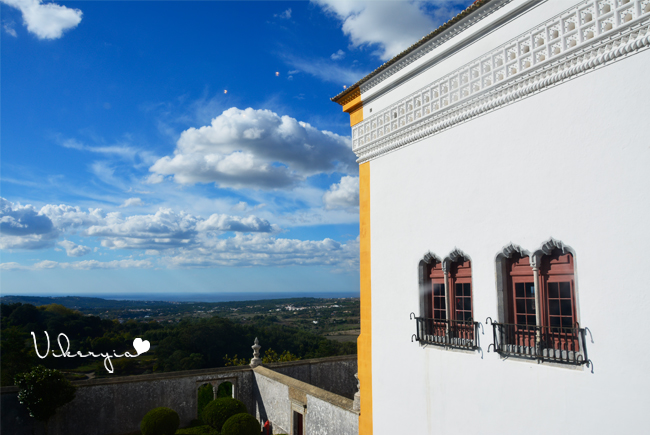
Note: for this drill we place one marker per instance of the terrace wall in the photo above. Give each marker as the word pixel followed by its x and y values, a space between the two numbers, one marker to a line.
pixel 116 406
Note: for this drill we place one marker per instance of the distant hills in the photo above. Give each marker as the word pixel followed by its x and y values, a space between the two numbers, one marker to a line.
pixel 79 302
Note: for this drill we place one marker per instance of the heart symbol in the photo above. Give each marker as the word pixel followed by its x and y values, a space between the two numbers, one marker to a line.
pixel 141 346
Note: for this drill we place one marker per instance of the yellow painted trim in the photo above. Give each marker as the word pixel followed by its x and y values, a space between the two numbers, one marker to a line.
pixel 356 116
pixel 364 342
pixel 353 103
pixel 354 106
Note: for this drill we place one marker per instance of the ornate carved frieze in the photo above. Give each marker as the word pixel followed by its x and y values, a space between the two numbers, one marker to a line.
pixel 433 44
pixel 585 37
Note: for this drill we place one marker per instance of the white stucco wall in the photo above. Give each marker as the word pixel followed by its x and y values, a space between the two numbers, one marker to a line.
pixel 572 162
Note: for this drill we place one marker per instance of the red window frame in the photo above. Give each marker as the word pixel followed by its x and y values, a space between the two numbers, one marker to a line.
pixel 437 302
pixel 521 302
pixel 461 293
pixel 557 326
pixel 559 313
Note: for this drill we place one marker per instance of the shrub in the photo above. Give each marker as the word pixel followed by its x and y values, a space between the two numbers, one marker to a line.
pixel 160 421
pixel 219 410
pixel 197 430
pixel 241 424
pixel 43 390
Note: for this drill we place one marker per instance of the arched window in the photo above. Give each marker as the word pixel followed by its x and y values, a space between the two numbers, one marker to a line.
pixel 446 312
pixel 538 315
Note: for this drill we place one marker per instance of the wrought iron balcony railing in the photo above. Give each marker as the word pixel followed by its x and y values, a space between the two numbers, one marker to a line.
pixel 449 333
pixel 545 343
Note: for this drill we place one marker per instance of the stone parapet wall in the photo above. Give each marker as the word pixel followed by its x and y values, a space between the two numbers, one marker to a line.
pixel 279 396
pixel 115 406
pixel 334 374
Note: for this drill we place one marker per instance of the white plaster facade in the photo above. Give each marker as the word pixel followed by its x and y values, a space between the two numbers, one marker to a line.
pixel 568 158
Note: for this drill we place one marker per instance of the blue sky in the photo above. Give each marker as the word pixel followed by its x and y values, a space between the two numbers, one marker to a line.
pixel 186 146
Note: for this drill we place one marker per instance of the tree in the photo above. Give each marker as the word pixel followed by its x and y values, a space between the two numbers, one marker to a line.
pixel 14 357
pixel 42 391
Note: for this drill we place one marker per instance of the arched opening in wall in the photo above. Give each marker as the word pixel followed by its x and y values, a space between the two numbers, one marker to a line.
pixel 538 310
pixel 428 263
pixel 446 311
pixel 512 262
pixel 205 396
pixel 459 271
pixel 432 322
pixel 521 300
pixel 225 390
pixel 558 311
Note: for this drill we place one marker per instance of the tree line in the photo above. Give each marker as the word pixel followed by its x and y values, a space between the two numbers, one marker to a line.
pixel 187 345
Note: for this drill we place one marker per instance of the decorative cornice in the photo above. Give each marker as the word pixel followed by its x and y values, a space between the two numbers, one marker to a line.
pixel 403 59
pixel 585 37
pixel 446 33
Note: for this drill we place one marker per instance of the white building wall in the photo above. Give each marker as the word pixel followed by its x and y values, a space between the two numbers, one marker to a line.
pixel 571 162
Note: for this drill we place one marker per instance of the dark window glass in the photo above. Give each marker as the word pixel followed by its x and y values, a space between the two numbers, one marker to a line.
pixel 566 322
pixel 521 305
pixel 565 290
pixel 566 307
pixel 555 321
pixel 530 306
pixel 468 304
pixel 521 320
pixel 467 289
pixel 532 320
pixel 519 290
pixel 552 290
pixel 530 289
pixel 554 307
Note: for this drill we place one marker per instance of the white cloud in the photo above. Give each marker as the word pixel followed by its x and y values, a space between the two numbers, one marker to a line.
pixel 74 250
pixel 46 20
pixel 8 26
pixel 262 250
pixel 284 15
pixel 12 266
pixel 94 264
pixel 224 222
pixel 255 149
pixel 23 227
pixel 325 70
pixel 344 194
pixel 338 55
pixel 66 217
pixel 121 150
pixel 132 202
pixel 163 230
pixel 173 239
pixel 391 26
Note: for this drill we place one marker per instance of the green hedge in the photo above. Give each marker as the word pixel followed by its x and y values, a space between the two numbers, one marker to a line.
pixel 160 421
pixel 197 430
pixel 219 410
pixel 241 424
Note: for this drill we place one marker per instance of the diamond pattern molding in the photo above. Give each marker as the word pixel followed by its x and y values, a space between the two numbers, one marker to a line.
pixel 587 36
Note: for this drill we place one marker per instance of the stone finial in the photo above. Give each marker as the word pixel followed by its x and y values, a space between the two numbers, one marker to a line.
pixel 256 361
pixel 357 396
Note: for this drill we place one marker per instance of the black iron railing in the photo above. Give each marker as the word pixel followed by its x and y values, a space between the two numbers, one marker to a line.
pixel 545 343
pixel 448 333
